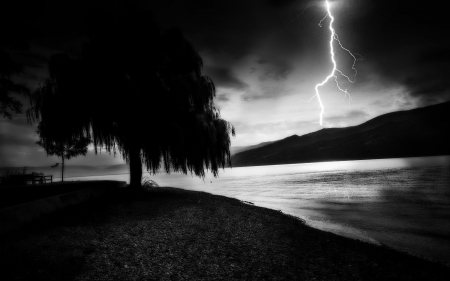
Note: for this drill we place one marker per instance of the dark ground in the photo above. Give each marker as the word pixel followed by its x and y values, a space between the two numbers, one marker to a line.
pixel 15 195
pixel 172 234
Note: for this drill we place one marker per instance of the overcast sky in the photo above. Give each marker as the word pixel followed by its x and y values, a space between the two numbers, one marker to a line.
pixel 265 58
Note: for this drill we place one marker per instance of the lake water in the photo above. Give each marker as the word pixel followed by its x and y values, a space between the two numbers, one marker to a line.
pixel 403 203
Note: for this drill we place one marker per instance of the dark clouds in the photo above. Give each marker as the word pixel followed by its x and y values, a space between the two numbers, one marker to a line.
pixel 17 140
pixel 31 59
pixel 223 97
pixel 231 26
pixel 275 70
pixel 428 77
pixel 223 77
pixel 236 29
pixel 404 42
pixel 13 133
pixel 271 91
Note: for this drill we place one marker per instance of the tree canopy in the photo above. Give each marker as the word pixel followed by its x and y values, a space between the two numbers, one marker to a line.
pixel 64 149
pixel 141 91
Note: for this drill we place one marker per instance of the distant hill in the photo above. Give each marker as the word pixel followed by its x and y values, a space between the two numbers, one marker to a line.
pixel 237 149
pixel 417 132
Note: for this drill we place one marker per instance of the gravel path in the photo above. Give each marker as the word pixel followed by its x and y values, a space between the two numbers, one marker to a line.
pixel 172 234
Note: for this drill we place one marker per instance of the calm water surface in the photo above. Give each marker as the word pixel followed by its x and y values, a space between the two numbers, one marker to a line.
pixel 403 203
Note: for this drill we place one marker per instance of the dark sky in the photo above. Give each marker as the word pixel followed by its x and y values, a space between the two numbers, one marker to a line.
pixel 265 58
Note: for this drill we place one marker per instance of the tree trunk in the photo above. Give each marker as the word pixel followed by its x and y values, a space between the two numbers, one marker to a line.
pixel 135 167
pixel 62 169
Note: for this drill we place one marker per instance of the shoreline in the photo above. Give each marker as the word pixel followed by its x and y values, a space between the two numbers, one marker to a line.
pixel 344 235
pixel 171 233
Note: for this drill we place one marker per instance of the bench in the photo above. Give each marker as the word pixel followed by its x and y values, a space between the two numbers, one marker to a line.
pixel 40 178
pixel 33 178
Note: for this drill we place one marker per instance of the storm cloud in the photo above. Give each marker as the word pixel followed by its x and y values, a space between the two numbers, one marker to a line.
pixel 223 77
pixel 402 42
pixel 405 42
pixel 263 55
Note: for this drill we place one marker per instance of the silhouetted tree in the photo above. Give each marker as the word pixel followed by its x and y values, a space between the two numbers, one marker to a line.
pixel 141 91
pixel 57 117
pixel 65 150
pixel 9 68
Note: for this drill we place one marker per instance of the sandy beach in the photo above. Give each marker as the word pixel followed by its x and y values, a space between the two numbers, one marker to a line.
pixel 173 234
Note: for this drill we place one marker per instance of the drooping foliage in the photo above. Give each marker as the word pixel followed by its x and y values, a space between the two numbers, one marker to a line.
pixel 55 104
pixel 141 91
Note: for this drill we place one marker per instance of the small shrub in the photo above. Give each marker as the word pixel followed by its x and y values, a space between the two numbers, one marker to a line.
pixel 5 176
pixel 147 183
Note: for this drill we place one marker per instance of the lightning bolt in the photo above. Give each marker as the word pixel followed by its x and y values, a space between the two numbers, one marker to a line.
pixel 335 70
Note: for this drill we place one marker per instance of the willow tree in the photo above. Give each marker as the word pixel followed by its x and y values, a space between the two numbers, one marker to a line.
pixel 141 92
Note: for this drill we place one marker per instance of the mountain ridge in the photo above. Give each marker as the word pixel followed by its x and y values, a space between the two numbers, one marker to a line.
pixel 237 149
pixel 416 132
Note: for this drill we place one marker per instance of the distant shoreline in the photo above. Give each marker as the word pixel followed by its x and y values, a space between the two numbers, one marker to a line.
pixel 126 165
pixel 344 160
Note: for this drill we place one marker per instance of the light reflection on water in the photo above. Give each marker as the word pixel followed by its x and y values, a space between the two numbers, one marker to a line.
pixel 403 203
